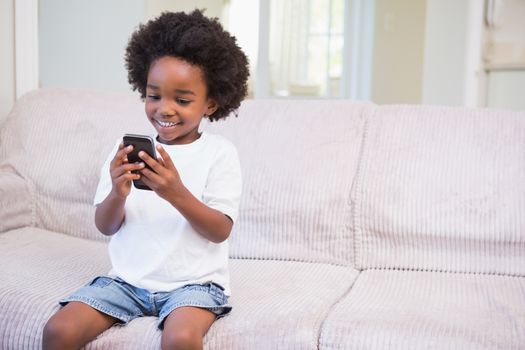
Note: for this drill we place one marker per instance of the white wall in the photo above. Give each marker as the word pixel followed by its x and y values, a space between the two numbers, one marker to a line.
pixel 7 57
pixel 452 61
pixel 506 89
pixel 82 43
pixel 156 7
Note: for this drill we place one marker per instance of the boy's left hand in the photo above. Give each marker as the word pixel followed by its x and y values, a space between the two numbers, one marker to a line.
pixel 165 179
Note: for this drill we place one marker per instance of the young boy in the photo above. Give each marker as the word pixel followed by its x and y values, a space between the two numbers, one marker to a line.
pixel 168 246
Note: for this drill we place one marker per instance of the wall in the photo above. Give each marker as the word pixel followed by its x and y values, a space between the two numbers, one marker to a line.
pixel 398 51
pixel 452 62
pixel 82 43
pixel 213 7
pixel 425 51
pixel 506 89
pixel 7 63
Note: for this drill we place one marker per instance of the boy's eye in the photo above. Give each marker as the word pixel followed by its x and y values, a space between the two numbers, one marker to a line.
pixel 182 101
pixel 153 97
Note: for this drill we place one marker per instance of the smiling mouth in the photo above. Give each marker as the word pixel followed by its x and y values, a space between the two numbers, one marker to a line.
pixel 167 124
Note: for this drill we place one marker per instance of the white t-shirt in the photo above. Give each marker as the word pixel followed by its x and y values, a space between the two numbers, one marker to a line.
pixel 156 248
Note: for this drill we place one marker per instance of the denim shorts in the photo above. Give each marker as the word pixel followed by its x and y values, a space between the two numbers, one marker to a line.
pixel 125 302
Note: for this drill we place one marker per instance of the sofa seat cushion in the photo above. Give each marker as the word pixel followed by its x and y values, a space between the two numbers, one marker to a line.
pixel 428 310
pixel 276 304
pixel 279 304
pixel 37 268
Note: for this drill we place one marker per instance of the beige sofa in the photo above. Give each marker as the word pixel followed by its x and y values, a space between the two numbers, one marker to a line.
pixel 361 226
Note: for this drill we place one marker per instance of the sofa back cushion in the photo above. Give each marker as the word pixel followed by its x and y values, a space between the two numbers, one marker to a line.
pixel 299 160
pixel 55 141
pixel 16 200
pixel 442 189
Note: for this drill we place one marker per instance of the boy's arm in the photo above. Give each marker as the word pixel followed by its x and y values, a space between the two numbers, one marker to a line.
pixel 109 215
pixel 165 181
pixel 208 222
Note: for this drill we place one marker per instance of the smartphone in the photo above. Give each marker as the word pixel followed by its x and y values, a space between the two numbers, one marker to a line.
pixel 140 143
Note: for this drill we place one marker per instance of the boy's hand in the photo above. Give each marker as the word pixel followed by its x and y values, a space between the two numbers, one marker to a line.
pixel 165 179
pixel 120 170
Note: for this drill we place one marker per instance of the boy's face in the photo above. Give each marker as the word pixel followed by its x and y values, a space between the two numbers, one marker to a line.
pixel 176 100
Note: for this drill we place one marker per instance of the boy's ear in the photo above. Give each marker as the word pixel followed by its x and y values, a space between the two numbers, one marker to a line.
pixel 212 107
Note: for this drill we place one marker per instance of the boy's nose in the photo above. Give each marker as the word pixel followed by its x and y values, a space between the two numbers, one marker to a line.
pixel 167 113
pixel 166 109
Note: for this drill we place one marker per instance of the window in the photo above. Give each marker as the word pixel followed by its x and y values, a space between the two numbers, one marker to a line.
pixel 305 48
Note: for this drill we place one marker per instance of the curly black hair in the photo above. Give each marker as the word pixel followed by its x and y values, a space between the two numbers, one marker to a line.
pixel 198 40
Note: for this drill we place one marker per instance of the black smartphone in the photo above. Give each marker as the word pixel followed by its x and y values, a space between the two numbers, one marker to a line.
pixel 140 143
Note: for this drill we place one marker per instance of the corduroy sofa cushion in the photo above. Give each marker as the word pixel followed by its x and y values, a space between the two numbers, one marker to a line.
pixel 16 200
pixel 442 188
pixel 361 227
pixel 276 304
pixel 56 140
pixel 299 160
pixel 412 310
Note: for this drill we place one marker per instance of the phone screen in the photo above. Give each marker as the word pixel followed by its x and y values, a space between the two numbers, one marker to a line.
pixel 140 143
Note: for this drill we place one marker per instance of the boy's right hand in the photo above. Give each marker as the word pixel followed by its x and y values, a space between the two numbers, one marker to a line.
pixel 121 171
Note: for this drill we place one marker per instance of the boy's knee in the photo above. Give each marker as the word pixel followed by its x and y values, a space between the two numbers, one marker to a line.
pixel 181 339
pixel 58 334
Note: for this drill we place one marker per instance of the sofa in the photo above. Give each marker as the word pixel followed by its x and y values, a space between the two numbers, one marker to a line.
pixel 361 226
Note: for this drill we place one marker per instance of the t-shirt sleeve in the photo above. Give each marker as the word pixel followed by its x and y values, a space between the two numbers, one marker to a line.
pixel 104 184
pixel 224 184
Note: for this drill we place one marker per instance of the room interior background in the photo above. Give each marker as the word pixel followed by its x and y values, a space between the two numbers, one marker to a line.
pixel 447 52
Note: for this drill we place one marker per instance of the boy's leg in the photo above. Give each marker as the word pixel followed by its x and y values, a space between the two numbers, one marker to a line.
pixel 185 327
pixel 73 326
